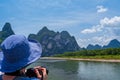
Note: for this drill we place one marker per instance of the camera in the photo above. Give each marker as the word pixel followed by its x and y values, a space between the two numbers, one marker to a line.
pixel 31 72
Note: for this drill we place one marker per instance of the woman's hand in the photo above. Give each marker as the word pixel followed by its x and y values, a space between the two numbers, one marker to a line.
pixel 41 76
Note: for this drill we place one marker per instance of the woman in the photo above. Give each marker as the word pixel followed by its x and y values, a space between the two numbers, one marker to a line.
pixel 19 52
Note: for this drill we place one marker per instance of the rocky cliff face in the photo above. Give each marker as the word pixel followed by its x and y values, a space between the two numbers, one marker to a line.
pixel 55 42
pixel 6 31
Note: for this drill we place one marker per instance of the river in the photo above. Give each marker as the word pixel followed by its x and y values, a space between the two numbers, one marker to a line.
pixel 80 70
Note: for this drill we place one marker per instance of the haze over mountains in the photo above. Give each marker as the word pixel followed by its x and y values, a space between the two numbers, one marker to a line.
pixel 56 42
pixel 112 44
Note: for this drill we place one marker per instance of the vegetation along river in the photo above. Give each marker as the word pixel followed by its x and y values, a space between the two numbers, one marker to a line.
pixel 80 70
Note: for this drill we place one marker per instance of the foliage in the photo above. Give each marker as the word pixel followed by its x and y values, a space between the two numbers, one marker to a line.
pixel 110 53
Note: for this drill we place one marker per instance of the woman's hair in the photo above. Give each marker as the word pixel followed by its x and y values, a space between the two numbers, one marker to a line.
pixel 16 73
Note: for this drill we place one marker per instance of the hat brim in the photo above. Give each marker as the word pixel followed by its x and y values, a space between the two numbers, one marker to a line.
pixel 34 54
pixel 1 58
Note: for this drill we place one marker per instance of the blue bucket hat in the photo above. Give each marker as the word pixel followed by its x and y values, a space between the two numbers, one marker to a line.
pixel 18 52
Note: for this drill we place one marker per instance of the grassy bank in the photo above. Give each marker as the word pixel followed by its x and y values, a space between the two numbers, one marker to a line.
pixel 93 57
pixel 111 53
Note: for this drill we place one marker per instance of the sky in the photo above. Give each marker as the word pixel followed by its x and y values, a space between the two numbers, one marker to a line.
pixel 89 21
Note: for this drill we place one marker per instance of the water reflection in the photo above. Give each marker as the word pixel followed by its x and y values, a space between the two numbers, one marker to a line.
pixel 99 71
pixel 60 69
pixel 80 70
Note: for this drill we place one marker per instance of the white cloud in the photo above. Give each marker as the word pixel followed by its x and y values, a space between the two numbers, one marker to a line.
pixel 106 30
pixel 101 9
pixel 111 23
pixel 94 29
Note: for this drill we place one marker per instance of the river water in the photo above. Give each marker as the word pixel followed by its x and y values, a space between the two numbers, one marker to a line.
pixel 80 70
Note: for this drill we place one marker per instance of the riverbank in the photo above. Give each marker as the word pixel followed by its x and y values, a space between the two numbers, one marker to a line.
pixel 82 59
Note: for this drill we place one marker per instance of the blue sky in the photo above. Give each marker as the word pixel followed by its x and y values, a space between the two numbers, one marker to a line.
pixel 90 21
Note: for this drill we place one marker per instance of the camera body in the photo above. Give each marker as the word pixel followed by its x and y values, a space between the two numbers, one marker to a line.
pixel 31 72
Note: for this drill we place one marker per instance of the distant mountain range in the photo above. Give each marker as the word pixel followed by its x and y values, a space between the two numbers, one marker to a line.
pixel 56 42
pixel 112 44
pixel 52 42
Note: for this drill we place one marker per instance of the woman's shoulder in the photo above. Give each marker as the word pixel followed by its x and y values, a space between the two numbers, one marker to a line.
pixel 22 78
pixel 25 78
pixel 0 77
